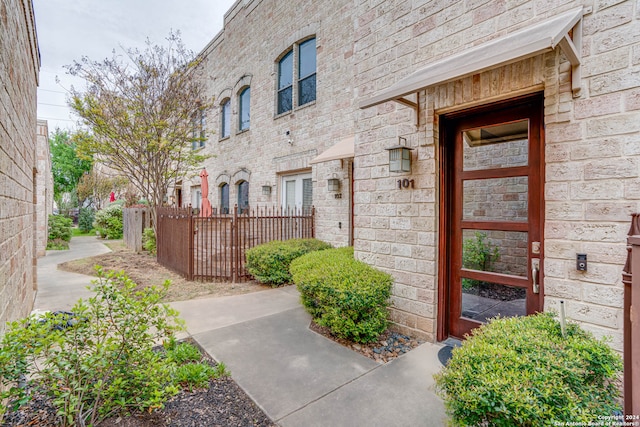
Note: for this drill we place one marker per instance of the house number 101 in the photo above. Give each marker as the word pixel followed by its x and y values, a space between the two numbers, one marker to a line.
pixel 406 183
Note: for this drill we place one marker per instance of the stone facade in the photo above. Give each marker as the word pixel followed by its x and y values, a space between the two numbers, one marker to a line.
pixel 276 148
pixel 591 160
pixel 19 68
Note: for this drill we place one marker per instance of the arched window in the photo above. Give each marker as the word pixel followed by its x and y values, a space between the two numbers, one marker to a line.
pixel 198 136
pixel 224 198
pixel 297 83
pixel 243 196
pixel 285 83
pixel 225 119
pixel 245 109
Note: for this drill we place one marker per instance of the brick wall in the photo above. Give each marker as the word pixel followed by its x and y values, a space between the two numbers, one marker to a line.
pixel 19 66
pixel 592 179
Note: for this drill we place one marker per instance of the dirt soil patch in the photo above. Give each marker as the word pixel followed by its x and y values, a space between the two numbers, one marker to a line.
pixel 144 270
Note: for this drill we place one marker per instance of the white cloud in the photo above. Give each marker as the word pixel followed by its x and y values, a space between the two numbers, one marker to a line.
pixel 70 29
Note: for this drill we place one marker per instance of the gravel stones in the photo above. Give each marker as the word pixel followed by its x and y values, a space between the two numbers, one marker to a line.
pixel 388 346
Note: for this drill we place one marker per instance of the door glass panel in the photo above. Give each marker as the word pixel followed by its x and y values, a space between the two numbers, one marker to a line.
pixel 290 194
pixel 495 251
pixel 499 146
pixel 496 199
pixel 483 300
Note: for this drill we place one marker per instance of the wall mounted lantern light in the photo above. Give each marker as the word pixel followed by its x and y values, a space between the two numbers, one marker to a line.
pixel 333 184
pixel 400 156
pixel 266 190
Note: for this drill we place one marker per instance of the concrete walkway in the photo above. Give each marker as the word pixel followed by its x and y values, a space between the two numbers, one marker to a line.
pixel 299 378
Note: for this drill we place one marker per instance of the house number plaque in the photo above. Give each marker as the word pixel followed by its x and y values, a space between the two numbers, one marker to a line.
pixel 406 183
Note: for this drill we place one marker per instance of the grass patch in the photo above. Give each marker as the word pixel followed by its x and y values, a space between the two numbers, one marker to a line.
pixel 76 232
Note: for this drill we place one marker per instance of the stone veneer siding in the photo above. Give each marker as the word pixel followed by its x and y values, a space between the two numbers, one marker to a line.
pixel 19 67
pixel 245 53
pixel 592 155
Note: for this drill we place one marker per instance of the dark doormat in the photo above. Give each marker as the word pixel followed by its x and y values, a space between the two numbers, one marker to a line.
pixel 445 354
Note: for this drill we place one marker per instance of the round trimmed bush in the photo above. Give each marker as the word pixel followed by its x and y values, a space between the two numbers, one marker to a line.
pixel 269 263
pixel 345 295
pixel 108 221
pixel 520 371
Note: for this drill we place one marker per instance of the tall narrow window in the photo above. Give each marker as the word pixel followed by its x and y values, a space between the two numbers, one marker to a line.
pixel 245 109
pixel 224 198
pixel 243 197
pixel 225 122
pixel 198 136
pixel 285 83
pixel 307 72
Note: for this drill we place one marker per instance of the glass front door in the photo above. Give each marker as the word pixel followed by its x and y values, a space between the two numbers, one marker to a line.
pixel 492 202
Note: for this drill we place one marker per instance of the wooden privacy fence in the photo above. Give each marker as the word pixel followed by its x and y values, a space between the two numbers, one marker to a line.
pixel 208 248
pixel 134 221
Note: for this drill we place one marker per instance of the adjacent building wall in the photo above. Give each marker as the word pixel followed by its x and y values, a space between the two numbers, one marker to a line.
pixel 245 53
pixel 19 67
pixel 44 185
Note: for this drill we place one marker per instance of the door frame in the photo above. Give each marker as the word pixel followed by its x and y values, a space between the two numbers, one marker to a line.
pixel 446 182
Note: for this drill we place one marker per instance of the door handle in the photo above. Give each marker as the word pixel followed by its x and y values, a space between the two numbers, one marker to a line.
pixel 535 273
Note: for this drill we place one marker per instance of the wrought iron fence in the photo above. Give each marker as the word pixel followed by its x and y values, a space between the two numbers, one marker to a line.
pixel 213 247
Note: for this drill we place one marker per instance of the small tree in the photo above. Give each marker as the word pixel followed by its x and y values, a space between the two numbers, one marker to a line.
pixel 66 166
pixel 140 113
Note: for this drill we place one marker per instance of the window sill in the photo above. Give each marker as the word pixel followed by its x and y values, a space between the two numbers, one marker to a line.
pixel 239 132
pixel 224 138
pixel 286 113
pixel 308 104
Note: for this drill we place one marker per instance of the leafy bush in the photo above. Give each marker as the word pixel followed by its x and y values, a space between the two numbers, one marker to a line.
pixel 520 371
pixel 198 375
pixel 99 362
pixel 183 353
pixel 59 232
pixel 108 221
pixel 85 219
pixel 347 296
pixel 191 369
pixel 269 262
pixel 478 254
pixel 149 240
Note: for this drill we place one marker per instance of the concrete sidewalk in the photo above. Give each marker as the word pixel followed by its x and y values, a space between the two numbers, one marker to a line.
pixel 298 377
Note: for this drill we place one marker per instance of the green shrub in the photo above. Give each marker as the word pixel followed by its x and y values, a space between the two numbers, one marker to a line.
pixel 478 254
pixel 183 353
pixel 198 375
pixel 149 240
pixel 108 221
pixel 269 262
pixel 347 296
pixel 85 219
pixel 59 232
pixel 98 362
pixel 520 371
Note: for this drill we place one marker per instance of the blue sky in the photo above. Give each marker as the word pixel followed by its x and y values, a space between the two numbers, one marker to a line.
pixel 70 29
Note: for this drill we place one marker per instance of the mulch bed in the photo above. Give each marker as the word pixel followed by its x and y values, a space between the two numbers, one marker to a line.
pixel 223 404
